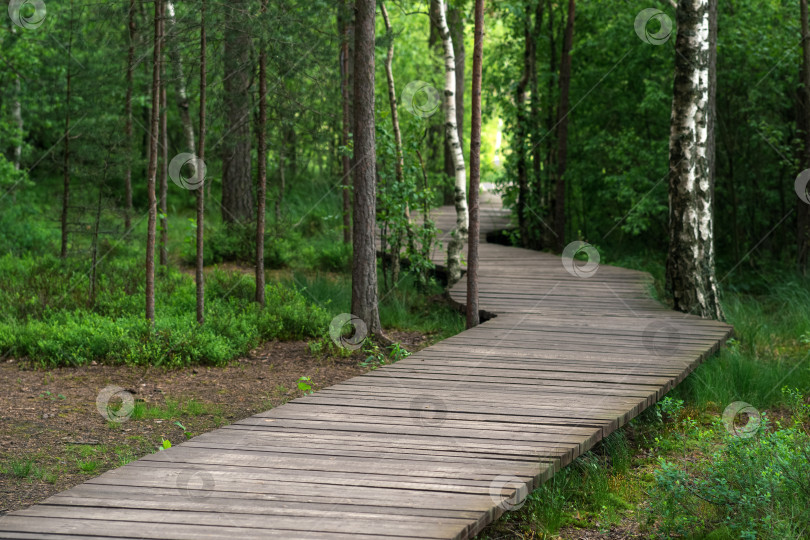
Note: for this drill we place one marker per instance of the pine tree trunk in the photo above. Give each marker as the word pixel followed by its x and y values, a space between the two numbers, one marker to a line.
pixel 151 176
pixel 562 128
pixel 128 114
pixel 690 274
pixel 66 155
pixel 550 115
pixel 522 129
pixel 344 24
pixel 364 261
pixel 179 80
pixel 459 234
pixel 475 167
pixel 16 116
pixel 281 181
pixel 200 192
pixel 534 120
pixel 803 208
pixel 164 167
pixel 262 172
pixel 237 183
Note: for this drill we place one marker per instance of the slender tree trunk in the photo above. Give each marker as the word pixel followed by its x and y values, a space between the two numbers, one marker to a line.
pixel 456 25
pixel 128 114
pixel 261 195
pixel 66 156
pixel 281 181
pixel 475 167
pixel 459 234
pixel 522 129
pixel 180 80
pixel 550 115
pixel 200 191
pixel 364 260
pixel 16 115
pixel 562 128
pixel 164 167
pixel 435 131
pixel 803 209
pixel 534 114
pixel 237 183
pixel 344 23
pixel 690 274
pixel 151 176
pixel 399 166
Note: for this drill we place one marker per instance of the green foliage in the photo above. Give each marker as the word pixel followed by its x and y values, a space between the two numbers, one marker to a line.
pixel 755 487
pixel 49 322
pixel 377 356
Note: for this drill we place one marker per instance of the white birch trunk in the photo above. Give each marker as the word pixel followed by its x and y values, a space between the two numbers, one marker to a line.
pixel 459 234
pixel 690 270
pixel 179 80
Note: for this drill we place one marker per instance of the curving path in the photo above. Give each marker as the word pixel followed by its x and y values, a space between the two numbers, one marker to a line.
pixel 435 446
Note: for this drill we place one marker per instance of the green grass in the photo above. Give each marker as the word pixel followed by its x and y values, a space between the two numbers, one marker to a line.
pixel 771 349
pixel 173 409
pixel 403 308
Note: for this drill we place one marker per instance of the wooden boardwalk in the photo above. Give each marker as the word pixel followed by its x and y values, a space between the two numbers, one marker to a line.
pixel 435 446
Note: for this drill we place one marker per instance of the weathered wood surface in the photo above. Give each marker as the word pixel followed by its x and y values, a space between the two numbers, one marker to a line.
pixel 432 447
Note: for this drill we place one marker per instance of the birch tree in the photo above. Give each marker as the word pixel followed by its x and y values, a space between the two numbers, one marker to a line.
pixel 179 78
pixel 690 274
pixel 459 234
pixel 396 242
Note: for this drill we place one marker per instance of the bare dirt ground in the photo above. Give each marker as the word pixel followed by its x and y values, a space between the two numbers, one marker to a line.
pixel 53 437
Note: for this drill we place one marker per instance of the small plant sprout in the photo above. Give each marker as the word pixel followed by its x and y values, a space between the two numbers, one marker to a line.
pixel 304 386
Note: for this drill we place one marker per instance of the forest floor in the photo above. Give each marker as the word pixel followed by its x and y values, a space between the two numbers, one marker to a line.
pixel 52 437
